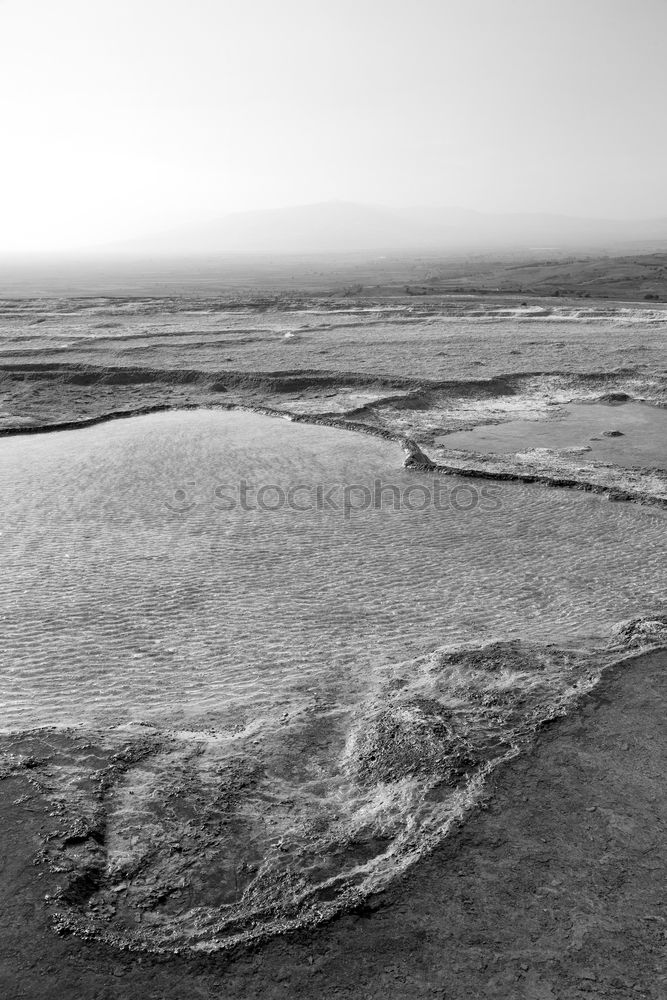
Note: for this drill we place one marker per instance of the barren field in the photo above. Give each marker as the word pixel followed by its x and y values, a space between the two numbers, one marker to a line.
pixel 512 779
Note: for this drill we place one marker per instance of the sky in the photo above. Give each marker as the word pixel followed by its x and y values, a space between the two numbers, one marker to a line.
pixel 125 117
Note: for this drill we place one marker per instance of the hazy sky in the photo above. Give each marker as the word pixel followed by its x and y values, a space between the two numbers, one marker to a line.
pixel 122 117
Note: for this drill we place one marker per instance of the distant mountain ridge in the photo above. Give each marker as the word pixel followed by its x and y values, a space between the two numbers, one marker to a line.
pixel 340 227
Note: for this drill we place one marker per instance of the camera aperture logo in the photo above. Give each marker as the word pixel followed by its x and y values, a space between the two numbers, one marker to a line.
pixel 348 499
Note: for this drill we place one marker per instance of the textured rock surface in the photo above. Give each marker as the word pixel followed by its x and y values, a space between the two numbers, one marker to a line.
pixel 551 889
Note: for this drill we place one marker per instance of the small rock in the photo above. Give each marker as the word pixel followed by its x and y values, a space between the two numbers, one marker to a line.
pixel 614 397
pixel 612 434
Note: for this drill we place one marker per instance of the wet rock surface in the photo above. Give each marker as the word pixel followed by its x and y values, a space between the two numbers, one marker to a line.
pixel 551 888
pixel 167 842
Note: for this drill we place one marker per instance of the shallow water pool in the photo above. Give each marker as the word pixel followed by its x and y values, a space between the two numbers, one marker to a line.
pixel 642 440
pixel 142 584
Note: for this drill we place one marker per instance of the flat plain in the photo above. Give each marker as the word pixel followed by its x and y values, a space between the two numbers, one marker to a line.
pixel 545 886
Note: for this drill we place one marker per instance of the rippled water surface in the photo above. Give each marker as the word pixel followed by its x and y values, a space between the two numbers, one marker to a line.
pixel 137 588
